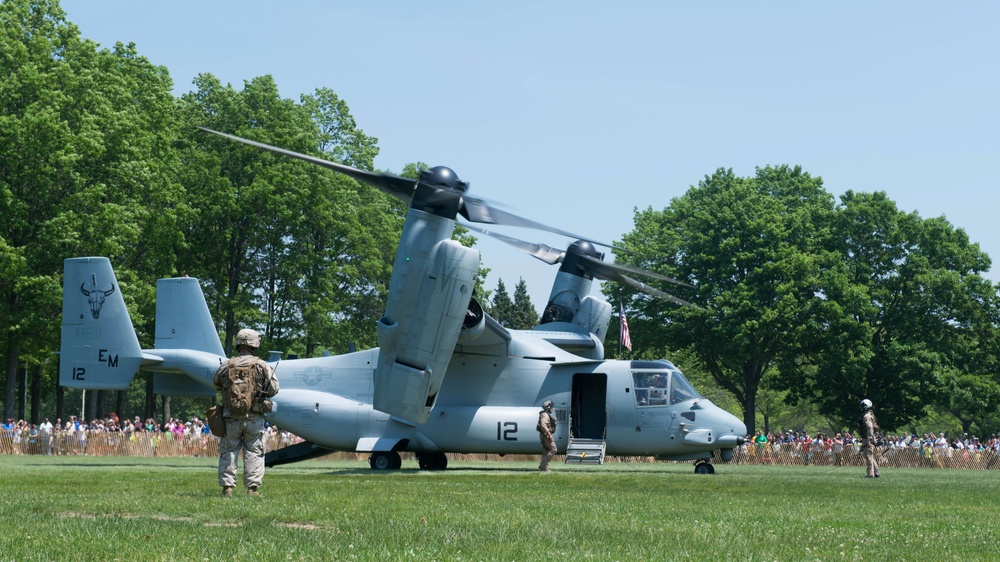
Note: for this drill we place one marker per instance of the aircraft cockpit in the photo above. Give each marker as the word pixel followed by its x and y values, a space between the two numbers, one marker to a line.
pixel 661 388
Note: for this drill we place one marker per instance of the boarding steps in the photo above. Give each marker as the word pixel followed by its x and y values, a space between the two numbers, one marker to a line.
pixel 585 451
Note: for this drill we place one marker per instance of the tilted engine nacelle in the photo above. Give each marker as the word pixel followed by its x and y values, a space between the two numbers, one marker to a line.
pixel 569 300
pixel 593 316
pixel 564 300
pixel 431 287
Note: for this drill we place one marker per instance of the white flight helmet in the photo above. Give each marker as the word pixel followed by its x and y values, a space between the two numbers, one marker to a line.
pixel 246 336
pixel 547 404
pixel 866 404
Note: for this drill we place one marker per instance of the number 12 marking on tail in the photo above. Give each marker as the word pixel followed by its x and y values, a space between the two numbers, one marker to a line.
pixel 78 373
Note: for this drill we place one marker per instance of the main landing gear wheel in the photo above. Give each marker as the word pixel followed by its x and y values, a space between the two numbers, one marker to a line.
pixel 704 467
pixel 385 460
pixel 432 461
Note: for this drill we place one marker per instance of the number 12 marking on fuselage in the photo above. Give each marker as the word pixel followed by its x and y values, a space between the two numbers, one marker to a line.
pixel 506 431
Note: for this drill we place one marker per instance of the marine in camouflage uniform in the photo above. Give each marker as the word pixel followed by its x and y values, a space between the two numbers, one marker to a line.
pixel 868 428
pixel 546 427
pixel 244 431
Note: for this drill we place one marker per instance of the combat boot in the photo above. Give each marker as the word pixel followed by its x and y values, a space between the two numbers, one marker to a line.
pixel 227 491
pixel 252 492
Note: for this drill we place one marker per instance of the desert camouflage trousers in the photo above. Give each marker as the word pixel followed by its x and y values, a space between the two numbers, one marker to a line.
pixel 549 448
pixel 246 434
pixel 871 461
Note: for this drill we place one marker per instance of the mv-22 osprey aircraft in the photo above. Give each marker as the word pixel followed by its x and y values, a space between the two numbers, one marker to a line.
pixel 446 377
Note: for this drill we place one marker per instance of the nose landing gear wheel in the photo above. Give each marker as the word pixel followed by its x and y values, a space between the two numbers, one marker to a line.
pixel 385 460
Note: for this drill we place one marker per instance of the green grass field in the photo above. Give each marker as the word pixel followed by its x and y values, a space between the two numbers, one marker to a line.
pixel 87 508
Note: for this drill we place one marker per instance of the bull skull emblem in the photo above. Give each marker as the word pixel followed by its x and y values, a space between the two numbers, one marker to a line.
pixel 95 297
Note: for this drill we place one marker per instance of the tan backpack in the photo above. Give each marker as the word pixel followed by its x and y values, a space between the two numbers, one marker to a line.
pixel 239 388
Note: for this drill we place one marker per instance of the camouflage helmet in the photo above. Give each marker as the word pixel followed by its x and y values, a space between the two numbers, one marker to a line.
pixel 246 336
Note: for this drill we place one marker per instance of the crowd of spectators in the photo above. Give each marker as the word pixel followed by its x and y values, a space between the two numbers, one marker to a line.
pixel 111 435
pixel 904 450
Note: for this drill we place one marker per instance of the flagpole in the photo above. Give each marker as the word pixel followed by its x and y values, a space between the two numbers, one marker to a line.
pixel 619 323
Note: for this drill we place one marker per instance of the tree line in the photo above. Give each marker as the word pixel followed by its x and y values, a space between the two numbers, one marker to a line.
pixel 820 302
pixel 99 158
pixel 805 302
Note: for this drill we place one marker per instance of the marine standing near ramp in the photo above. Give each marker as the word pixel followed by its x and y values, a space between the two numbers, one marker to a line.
pixel 246 382
pixel 868 427
pixel 546 427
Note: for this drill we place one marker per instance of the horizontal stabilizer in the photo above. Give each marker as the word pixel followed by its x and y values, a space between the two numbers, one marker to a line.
pixel 170 384
pixel 183 372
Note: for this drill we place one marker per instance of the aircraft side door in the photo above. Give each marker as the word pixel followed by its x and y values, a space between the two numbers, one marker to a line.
pixel 589 410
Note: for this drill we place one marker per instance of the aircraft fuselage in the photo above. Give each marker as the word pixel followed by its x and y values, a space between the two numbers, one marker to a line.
pixel 490 403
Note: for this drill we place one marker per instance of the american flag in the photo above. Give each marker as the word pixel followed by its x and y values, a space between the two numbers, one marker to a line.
pixel 625 341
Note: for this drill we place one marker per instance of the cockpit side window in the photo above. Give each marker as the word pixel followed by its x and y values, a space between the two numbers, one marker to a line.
pixel 651 388
pixel 661 388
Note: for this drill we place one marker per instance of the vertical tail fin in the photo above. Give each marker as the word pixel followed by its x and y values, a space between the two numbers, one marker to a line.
pixel 184 323
pixel 183 320
pixel 99 348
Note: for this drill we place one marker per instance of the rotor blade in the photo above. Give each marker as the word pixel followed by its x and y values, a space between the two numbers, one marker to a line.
pixel 647 273
pixel 401 188
pixel 596 267
pixel 482 211
pixel 613 272
pixel 541 251
pixel 473 209
pixel 653 292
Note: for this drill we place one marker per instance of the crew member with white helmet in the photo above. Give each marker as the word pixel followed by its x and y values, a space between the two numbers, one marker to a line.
pixel 868 428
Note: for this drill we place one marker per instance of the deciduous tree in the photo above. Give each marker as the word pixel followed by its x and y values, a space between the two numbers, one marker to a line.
pixel 906 317
pixel 84 170
pixel 750 247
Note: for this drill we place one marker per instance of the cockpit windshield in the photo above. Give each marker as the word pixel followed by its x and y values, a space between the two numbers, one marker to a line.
pixel 681 389
pixel 661 388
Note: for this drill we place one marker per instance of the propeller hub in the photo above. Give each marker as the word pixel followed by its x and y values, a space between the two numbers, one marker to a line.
pixel 586 248
pixel 439 192
pixel 575 261
pixel 443 177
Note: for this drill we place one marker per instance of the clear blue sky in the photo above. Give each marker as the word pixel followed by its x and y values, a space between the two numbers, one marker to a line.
pixel 577 113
